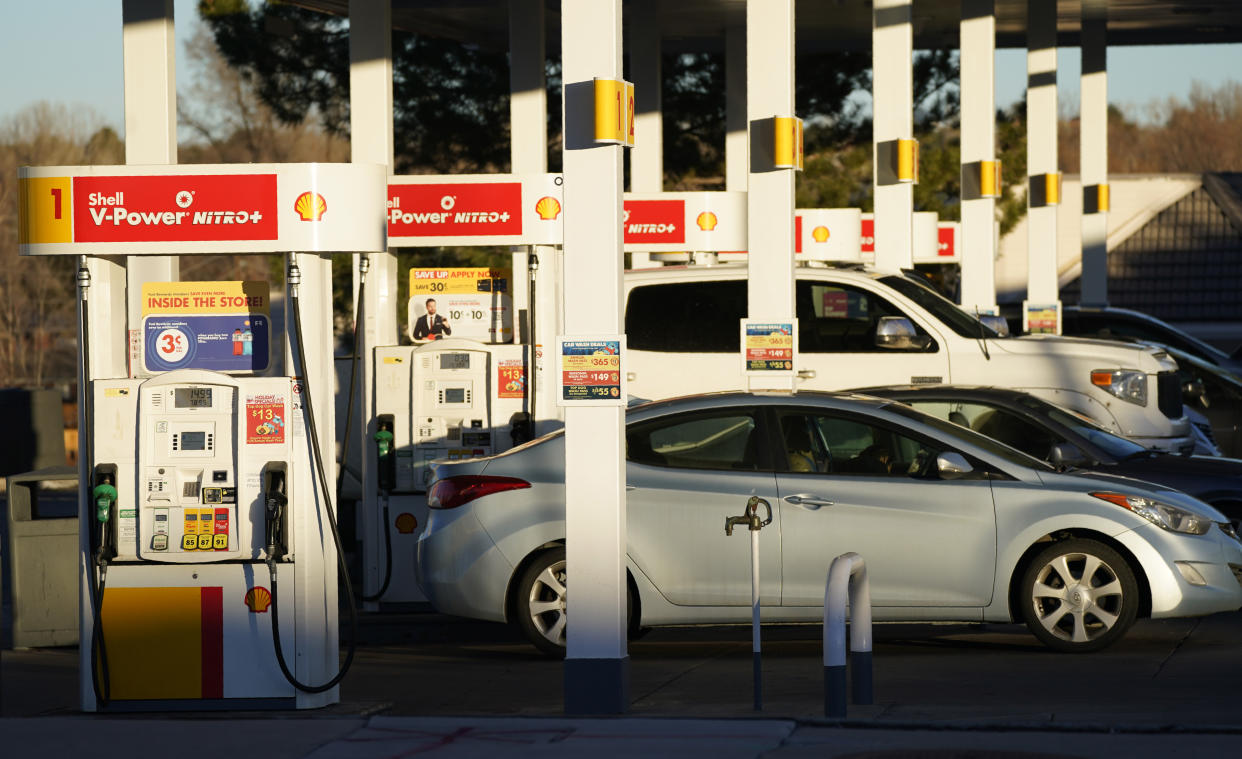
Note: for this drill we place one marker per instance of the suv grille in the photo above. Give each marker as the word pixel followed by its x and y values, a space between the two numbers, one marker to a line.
pixel 1169 394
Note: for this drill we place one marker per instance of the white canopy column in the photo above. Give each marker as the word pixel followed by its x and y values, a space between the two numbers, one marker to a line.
pixel 770 196
pixel 1044 179
pixel 150 120
pixel 896 153
pixel 737 161
pixel 371 141
pixel 980 178
pixel 646 68
pixel 1094 153
pixel 528 134
pixel 596 661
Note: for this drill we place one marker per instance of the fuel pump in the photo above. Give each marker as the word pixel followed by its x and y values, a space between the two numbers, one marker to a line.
pixel 203 482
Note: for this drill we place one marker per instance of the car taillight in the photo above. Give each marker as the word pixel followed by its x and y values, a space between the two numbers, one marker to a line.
pixel 452 492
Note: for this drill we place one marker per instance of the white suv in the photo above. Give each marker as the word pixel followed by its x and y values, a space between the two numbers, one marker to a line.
pixel 681 324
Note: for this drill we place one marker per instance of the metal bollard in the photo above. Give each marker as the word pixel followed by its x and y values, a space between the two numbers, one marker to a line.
pixel 847 573
pixel 752 522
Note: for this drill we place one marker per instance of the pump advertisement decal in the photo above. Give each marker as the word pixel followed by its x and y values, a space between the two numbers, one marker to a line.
pixel 591 371
pixel 510 378
pixel 265 419
pixel 219 326
pixel 471 302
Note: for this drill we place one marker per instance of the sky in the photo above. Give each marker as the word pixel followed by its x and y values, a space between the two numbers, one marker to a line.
pixel 69 52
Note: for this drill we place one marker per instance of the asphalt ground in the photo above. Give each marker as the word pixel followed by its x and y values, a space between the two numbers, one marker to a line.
pixel 426 683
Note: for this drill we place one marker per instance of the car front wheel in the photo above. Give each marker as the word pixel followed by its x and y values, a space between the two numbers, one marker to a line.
pixel 1079 595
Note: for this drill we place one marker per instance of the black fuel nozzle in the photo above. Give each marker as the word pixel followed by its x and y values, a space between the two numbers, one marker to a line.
pixel 275 503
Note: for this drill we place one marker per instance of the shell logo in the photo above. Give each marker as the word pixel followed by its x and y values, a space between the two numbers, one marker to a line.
pixel 310 206
pixel 706 221
pixel 258 599
pixel 821 234
pixel 548 208
pixel 405 523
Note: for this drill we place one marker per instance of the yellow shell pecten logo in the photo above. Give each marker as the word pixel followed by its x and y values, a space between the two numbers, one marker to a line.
pixel 706 221
pixel 548 208
pixel 258 599
pixel 310 206
pixel 820 234
pixel 405 523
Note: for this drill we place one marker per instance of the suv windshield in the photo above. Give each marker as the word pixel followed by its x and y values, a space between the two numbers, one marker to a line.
pixel 939 306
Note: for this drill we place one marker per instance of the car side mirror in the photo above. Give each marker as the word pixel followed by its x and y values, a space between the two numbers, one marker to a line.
pixel 998 324
pixel 1066 454
pixel 952 465
pixel 898 333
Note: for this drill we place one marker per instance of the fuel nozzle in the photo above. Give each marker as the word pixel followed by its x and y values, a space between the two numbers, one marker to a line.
pixel 275 501
pixel 385 454
pixel 104 494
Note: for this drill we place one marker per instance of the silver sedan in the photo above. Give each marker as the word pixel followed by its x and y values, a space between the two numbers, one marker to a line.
pixel 953 526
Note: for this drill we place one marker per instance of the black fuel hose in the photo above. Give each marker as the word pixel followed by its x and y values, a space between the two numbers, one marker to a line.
pixel 308 408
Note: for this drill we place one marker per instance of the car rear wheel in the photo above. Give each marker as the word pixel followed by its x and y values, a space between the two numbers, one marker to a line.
pixel 539 605
pixel 1079 595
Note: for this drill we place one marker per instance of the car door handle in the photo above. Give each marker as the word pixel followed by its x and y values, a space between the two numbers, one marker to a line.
pixel 806 374
pixel 809 501
pixel 628 488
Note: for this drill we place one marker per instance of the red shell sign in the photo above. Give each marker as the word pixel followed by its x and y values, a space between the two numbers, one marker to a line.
pixel 202 207
pixel 465 208
pixel 654 221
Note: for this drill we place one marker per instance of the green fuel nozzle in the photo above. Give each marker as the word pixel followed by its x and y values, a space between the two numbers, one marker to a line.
pixel 383 442
pixel 105 496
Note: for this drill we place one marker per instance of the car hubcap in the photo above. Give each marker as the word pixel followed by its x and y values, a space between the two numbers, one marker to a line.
pixel 1077 597
pixel 547 603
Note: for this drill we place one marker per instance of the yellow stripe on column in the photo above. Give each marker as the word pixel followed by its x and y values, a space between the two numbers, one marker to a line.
pixel 154 640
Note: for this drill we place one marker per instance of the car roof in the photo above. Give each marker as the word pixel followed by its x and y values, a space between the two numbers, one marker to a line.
pixel 843 399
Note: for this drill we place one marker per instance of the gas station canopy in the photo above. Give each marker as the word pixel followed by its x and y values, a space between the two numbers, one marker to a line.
pixel 823 25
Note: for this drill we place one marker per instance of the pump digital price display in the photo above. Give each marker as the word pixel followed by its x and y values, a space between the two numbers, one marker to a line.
pixel 454 361
pixel 192 397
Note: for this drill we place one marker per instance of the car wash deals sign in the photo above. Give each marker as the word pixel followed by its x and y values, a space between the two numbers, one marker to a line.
pixel 220 326
pixel 472 302
pixel 591 371
pixel 768 347
pixel 223 208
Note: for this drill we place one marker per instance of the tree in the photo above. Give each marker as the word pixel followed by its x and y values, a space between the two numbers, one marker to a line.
pixel 38 324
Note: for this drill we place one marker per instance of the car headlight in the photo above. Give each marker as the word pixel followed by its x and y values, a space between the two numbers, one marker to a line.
pixel 1127 384
pixel 1170 517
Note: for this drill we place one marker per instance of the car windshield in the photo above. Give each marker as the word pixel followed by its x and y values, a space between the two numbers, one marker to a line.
pixel 1114 445
pixel 940 307
pixel 957 432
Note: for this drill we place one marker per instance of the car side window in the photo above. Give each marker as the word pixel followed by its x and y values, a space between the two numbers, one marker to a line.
pixel 686 317
pixel 839 318
pixel 846 446
pixel 727 441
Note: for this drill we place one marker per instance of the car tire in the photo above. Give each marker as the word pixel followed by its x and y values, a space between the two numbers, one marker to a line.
pixel 1079 595
pixel 539 602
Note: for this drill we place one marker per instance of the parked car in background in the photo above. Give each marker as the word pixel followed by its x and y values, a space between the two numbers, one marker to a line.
pixel 1065 438
pixel 1216 394
pixel 1128 325
pixel 859 326
pixel 952 524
